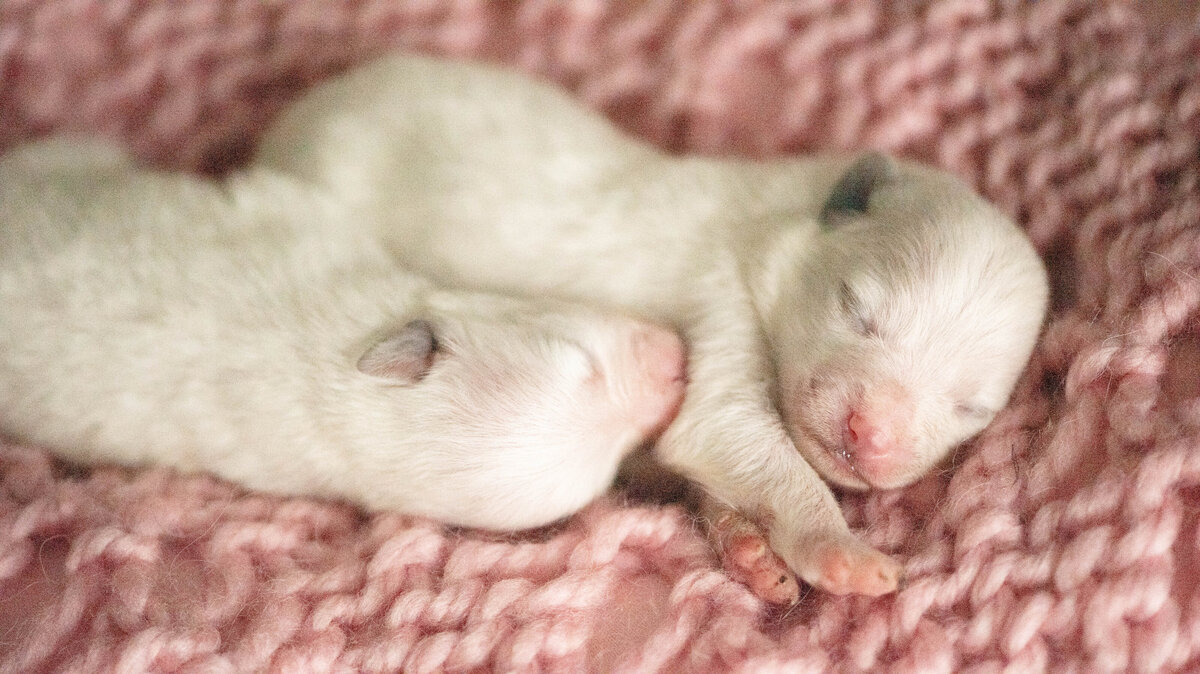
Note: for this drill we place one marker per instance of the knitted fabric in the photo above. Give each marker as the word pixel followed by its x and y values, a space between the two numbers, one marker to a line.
pixel 1066 538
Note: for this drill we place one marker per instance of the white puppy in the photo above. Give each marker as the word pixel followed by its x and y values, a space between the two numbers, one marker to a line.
pixel 849 319
pixel 156 318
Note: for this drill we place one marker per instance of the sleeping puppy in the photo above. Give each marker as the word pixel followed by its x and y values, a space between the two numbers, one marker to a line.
pixel 846 319
pixel 165 319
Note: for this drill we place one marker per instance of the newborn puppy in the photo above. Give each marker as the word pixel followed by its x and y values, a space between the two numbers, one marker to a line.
pixel 847 319
pixel 156 318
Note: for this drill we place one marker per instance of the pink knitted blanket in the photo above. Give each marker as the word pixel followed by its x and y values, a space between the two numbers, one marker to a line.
pixel 1065 539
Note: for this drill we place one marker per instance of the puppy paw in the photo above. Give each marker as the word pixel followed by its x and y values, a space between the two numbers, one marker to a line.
pixel 747 558
pixel 842 564
pixel 750 560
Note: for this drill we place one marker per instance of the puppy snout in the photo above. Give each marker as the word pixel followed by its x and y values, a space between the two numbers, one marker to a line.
pixel 876 432
pixel 866 437
pixel 661 353
pixel 662 358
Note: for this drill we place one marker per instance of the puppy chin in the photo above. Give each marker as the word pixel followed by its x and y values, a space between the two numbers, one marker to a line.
pixel 887 478
pixel 839 467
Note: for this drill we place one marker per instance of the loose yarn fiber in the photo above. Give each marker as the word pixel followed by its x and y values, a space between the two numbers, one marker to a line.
pixel 1066 538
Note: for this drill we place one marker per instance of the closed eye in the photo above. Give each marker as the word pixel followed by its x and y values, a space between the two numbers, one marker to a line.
pixel 856 312
pixel 973 411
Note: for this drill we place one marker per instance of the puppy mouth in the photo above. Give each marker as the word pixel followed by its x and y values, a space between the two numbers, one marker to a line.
pixel 838 461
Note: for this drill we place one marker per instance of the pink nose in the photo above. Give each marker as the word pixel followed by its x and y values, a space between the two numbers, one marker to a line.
pixel 662 358
pixel 662 354
pixel 867 438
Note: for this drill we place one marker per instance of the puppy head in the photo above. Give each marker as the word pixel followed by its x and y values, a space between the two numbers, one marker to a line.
pixel 903 330
pixel 517 413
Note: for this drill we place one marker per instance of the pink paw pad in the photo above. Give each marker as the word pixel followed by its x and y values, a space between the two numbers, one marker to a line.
pixel 849 567
pixel 749 560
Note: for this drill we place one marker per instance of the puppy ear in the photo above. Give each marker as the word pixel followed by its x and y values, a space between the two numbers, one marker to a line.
pixel 853 191
pixel 404 356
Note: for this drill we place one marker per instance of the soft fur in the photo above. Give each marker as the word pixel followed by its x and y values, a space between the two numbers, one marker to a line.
pixel 894 306
pixel 239 328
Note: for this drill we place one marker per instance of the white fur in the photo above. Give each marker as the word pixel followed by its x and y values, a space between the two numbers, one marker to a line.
pixel 484 179
pixel 156 318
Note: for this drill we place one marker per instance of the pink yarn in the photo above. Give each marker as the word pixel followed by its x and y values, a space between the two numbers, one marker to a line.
pixel 1065 539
